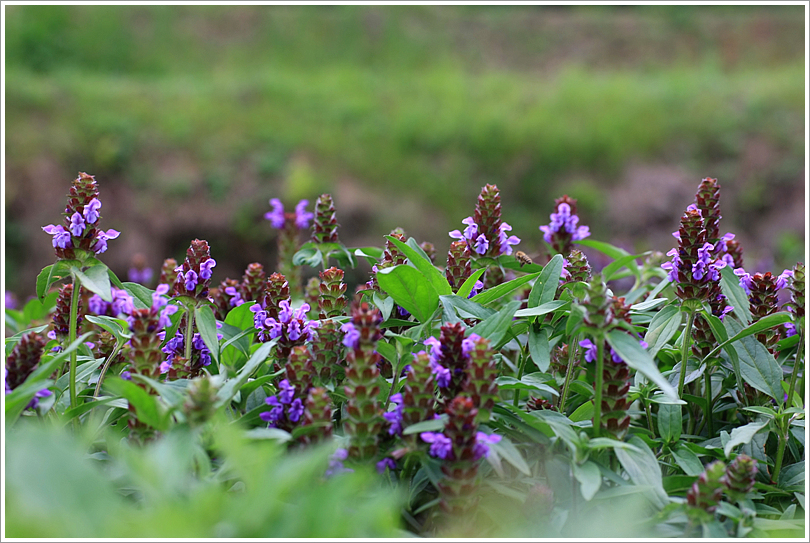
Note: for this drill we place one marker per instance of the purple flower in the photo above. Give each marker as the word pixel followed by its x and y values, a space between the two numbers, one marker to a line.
pixel 139 276
pixel 287 391
pixel 121 302
pixel 97 306
pixel 782 280
pixel 91 211
pixel 336 463
pixel 11 301
pixel 351 336
pixel 395 417
pixel 564 221
pixel 191 280
pixel 205 269
pixel 166 365
pixel 591 351
pixel 275 414
pixel 77 224
pixel 302 216
pixel 296 410
pixel 468 344
pixel 506 242
pixel 440 445
pixel 126 375
pixel 745 280
pixel 481 244
pixel 435 347
pixel 386 463
pixel 482 442
pixel 476 289
pixel 790 329
pixel 34 403
pixel 236 296
pixel 61 237
pixel 276 216
pixel 101 240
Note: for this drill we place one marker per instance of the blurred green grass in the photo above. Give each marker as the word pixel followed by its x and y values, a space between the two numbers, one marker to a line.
pixel 420 100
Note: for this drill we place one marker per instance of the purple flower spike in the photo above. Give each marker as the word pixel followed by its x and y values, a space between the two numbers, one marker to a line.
pixel 506 242
pixel 91 211
pixel 302 216
pixel 440 445
pixel 77 224
pixel 205 269
pixel 276 216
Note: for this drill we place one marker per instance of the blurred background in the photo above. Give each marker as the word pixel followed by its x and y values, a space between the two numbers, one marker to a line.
pixel 193 117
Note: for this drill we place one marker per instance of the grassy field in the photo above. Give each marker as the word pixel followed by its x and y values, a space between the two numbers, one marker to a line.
pixel 413 108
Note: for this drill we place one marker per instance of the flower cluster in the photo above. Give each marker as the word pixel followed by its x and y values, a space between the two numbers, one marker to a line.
pixel 325 225
pixel 486 234
pixel 175 363
pixel 147 327
pixel 139 272
pixel 705 494
pixel 279 219
pixel 291 327
pixel 289 224
pixel 80 230
pixel 121 304
pixel 449 358
pixel 394 417
pixel 763 298
pixel 564 228
pixel 286 408
pixel 60 322
pixel 441 446
pixel 194 276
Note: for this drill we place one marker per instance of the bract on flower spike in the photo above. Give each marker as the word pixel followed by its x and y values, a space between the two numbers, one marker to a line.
pixel 61 316
pixel 449 358
pixel 362 385
pixel 482 371
pixel 299 370
pixel 458 267
pixel 276 290
pixel 740 477
pixel 225 297
pixel 317 414
pixel 762 294
pixel 148 330
pixel 200 404
pixel 419 391
pixel 332 290
pixel 325 225
pixel 21 363
pixel 706 493
pixel 327 351
pixel 707 200
pixel 564 228
pixel 168 272
pixel 312 296
pixel 252 286
pixel 486 234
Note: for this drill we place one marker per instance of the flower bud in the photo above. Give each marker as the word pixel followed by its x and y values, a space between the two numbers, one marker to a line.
pixel 325 226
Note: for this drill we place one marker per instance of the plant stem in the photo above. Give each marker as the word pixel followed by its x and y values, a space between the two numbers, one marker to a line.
pixel 796 365
pixel 780 452
pixel 72 329
pixel 708 412
pixel 646 405
pixel 568 373
pixel 597 400
pixel 394 379
pixel 189 331
pixel 687 335
pixel 106 366
pixel 521 367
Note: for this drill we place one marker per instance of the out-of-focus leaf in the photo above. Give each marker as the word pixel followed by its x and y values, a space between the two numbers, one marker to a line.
pixel 643 468
pixel 589 477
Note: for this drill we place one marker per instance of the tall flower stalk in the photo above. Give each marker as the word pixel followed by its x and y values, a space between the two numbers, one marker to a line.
pixel 192 283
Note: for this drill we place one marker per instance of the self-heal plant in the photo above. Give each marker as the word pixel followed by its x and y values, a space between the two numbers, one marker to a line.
pixel 564 228
pixel 192 284
pixel 289 224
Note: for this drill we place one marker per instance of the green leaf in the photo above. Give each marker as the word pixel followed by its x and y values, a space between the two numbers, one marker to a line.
pixel 499 291
pixel 371 254
pixel 663 326
pixel 466 288
pixel 670 422
pixel 43 281
pixel 589 477
pixel 583 412
pixel 506 382
pixel 762 324
pixel 36 310
pixel 418 258
pixel 495 327
pixel 95 279
pixel 276 434
pixel 410 289
pixel 547 283
pixel 615 253
pixel 384 303
pixel 207 325
pixel 742 435
pixel 232 386
pixel 146 406
pixel 792 478
pixel 541 309
pixel 51 274
pixel 757 366
pixel 730 286
pixel 575 318
pixel 650 303
pixel 637 358
pixel 507 450
pixel 644 470
pixel 141 296
pixel 687 460
pixel 454 304
pixel 610 270
pixel 117 327
pixel 539 347
pixel 431 425
pixel 308 254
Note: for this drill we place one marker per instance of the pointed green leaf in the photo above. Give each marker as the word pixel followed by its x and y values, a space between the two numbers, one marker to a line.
pixel 614 252
pixel 670 422
pixel 743 434
pixel 610 270
pixel 687 460
pixel 644 470
pixel 589 477
pixel 418 258
pixel 232 386
pixel 146 406
pixel 494 328
pixel 410 289
pixel 499 291
pixel 757 366
pixel 730 286
pixel 141 296
pixel 458 307
pixel 547 282
pixel 539 347
pixel 637 358
pixel 431 425
pixel 663 326
pixel 541 309
pixel 467 287
pixel 95 279
pixel 207 326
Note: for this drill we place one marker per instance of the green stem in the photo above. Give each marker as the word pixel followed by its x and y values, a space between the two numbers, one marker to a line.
pixel 106 366
pixel 597 401
pixel 72 329
pixel 568 373
pixel 646 405
pixel 796 365
pixel 687 335
pixel 521 368
pixel 189 332
pixel 708 412
pixel 780 452
pixel 394 379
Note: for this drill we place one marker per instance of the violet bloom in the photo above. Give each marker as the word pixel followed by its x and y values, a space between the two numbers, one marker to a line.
pixel 296 410
pixel 11 301
pixel 236 296
pixel 291 325
pixel 479 243
pixel 61 237
pixel 506 242
pixel 275 414
pixel 276 216
pixel 205 269
pixel 395 417
pixel 101 240
pixel 34 403
pixel 287 391
pixel 386 463
pixel 564 221
pixel 77 224
pixel 134 275
pixel 440 445
pixel 190 280
pixel 482 442
pixel 91 211
pixel 336 463
pixel 302 216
